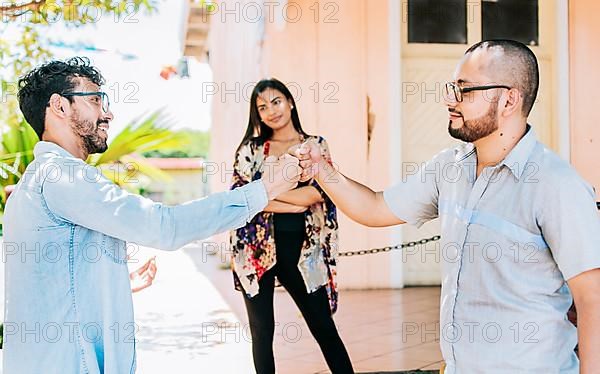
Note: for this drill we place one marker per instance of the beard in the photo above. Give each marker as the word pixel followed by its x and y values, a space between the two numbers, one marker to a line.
pixel 90 134
pixel 475 129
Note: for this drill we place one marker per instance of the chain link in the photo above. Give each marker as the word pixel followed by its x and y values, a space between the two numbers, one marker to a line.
pixel 399 246
pixel 389 248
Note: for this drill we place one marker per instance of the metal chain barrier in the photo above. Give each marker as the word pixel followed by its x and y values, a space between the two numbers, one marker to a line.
pixel 389 248
pixel 399 246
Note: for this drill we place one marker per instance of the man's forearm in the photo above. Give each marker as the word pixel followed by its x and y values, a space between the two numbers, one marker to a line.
pixel 215 213
pixel 357 201
pixel 588 329
pixel 303 196
pixel 275 206
pixel 585 288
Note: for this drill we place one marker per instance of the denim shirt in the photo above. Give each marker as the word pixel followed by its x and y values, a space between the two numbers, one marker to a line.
pixel 68 305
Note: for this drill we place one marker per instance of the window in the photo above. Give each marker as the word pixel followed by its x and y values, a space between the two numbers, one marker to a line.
pixel 510 19
pixel 437 21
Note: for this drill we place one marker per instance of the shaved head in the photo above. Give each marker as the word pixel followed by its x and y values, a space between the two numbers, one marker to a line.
pixel 511 63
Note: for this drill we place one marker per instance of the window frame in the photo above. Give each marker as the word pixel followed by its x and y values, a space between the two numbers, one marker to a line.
pixel 546 22
pixel 538 21
pixel 407 4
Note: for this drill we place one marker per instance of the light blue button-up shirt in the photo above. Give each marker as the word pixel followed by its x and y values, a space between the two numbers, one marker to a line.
pixel 511 238
pixel 68 306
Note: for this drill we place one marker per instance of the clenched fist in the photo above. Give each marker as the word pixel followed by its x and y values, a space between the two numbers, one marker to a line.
pixel 309 155
pixel 280 174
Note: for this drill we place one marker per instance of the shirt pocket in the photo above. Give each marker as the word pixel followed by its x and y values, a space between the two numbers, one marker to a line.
pixel 53 227
pixel 94 246
pixel 115 249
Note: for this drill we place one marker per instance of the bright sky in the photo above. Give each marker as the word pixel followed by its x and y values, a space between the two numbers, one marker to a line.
pixel 134 85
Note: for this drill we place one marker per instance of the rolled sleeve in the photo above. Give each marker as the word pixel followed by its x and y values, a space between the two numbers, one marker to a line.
pixel 256 198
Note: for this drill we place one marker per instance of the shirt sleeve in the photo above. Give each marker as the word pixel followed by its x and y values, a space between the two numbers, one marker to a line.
pixel 570 224
pixel 81 195
pixel 243 166
pixel 415 198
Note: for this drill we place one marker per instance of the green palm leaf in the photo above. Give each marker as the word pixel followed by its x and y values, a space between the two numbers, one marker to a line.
pixel 149 134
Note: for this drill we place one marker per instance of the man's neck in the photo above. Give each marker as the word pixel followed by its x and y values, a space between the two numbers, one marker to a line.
pixel 70 145
pixel 494 148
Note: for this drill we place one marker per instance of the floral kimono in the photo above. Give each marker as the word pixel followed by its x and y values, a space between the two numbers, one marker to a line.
pixel 253 246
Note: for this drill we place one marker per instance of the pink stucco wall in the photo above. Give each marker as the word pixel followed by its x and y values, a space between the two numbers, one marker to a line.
pixel 332 60
pixel 585 81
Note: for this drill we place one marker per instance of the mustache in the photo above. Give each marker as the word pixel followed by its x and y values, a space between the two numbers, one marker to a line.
pixel 452 110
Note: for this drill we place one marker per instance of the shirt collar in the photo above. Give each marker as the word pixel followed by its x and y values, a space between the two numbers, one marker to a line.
pixel 519 155
pixel 42 147
pixel 464 152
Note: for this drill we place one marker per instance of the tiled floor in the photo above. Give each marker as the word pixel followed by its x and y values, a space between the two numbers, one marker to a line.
pixel 192 321
pixel 383 330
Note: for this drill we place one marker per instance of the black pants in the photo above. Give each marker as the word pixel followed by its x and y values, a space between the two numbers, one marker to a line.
pixel 314 307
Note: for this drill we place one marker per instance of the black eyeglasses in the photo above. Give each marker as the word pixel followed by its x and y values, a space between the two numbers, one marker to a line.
pixel 102 98
pixel 455 92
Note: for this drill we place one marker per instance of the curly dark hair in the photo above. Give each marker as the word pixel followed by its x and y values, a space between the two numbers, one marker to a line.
pixel 36 87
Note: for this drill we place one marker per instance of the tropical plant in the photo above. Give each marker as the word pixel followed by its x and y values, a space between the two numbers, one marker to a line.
pixel 16 152
pixel 17 139
pixel 123 159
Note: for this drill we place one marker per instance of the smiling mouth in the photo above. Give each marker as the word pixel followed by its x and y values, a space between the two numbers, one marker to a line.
pixel 103 128
pixel 454 115
pixel 276 119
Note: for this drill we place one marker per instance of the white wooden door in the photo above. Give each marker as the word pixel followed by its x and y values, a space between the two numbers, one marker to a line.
pixel 425 67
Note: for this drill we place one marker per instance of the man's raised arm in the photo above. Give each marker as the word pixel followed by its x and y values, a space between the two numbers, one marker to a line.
pixel 357 201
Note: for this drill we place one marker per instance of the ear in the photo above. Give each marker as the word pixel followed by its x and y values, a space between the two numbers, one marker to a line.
pixel 512 103
pixel 57 105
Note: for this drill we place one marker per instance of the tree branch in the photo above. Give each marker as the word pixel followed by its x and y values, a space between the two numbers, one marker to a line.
pixel 15 10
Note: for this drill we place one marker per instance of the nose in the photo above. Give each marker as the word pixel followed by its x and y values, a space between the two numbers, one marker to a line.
pixel 269 112
pixel 109 116
pixel 450 101
pixel 449 94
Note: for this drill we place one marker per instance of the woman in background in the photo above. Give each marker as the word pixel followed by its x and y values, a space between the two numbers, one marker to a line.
pixel 293 239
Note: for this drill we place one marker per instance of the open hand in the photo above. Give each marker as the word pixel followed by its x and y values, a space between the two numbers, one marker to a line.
pixel 144 276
